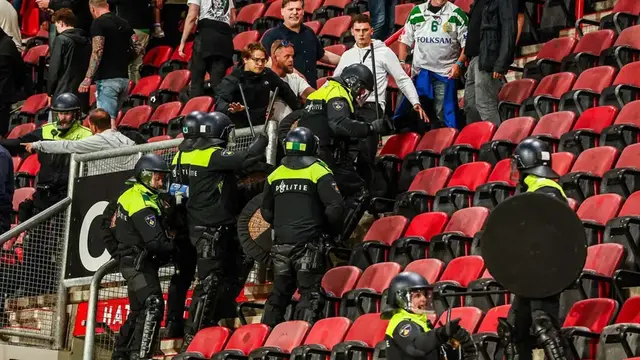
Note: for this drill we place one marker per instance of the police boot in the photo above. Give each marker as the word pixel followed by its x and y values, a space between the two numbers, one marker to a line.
pixel 548 338
pixel 174 329
pixel 506 339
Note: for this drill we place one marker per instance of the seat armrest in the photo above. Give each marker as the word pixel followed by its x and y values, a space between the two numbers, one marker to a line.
pixel 538 100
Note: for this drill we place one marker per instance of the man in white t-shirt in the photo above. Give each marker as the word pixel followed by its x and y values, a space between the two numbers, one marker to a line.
pixel 9 23
pixel 282 53
pixel 213 45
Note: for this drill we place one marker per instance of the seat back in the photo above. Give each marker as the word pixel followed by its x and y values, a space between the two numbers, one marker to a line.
pixel 437 140
pixel 630 114
pixel 555 124
pixel 562 162
pixel 630 157
pixel 241 40
pixel 400 144
pixel 165 112
pixel 248 338
pixel 629 37
pixel 467 221
pixel 200 103
pixel 631 206
pixel 378 276
pixel 595 42
pixel 135 117
pixel 628 75
pixel 387 229
pixel 35 103
pixel 176 80
pixel 556 49
pixel 475 134
pixel 368 328
pixel 463 269
pixel 595 79
pixel 335 27
pixel 339 280
pixel 427 225
pixel 288 335
pixel 600 208
pixel 490 322
pixel 596 160
pixel 629 6
pixel 430 269
pixel 604 259
pixel 469 316
pixel 248 14
pixel 21 130
pixel 20 195
pixel 157 55
pixel 515 129
pixel 517 91
pixel 146 85
pixel 470 175
pixel 328 332
pixel 431 180
pixel 555 84
pixel 502 173
pixel 593 314
pixel 596 118
pixel 209 341
pixel 630 311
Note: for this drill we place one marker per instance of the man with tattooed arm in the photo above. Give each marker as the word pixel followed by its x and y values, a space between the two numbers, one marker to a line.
pixel 114 46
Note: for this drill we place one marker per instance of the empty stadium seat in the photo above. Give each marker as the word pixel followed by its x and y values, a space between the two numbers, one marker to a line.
pixel 467 144
pixel 392 154
pixel 176 61
pixel 248 15
pixel 363 336
pixel 461 187
pixel 205 343
pixel 470 318
pixel 333 29
pixel 154 58
pixel 455 240
pixel 271 18
pixel 243 340
pixel 368 292
pixel 159 120
pixel 587 172
pixel 625 50
pixel 35 64
pixel 143 90
pixel 26 175
pixel 282 340
pixel 171 86
pixel 430 269
pixel 486 336
pixel 620 340
pixel 625 129
pixel 586 90
pixel 546 97
pixel 512 95
pixel 324 335
pixel 586 131
pixel 623 230
pixel 199 103
pixel 20 195
pixel 625 87
pixel 595 212
pixel 562 162
pixel 549 58
pixel 135 117
pixel 336 283
pixel 499 186
pixel 456 277
pixel 402 13
pixel 330 9
pixel 624 179
pixel 585 55
pixel 413 245
pixel 21 130
pixel 585 322
pixel 551 127
pixel 158 138
pixel 376 243
pixel 17 160
pixel 314 25
pixel 426 154
pixel 624 14
pixel 32 107
pixel 509 134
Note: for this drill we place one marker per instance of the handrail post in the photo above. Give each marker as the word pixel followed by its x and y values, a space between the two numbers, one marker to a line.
pixel 92 311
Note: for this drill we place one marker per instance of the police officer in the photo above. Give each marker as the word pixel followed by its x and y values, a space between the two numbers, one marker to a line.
pixel 184 258
pixel 409 334
pixel 537 317
pixel 143 246
pixel 212 212
pixel 302 202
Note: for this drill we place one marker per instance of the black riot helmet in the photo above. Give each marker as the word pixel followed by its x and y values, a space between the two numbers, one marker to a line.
pixel 153 172
pixel 65 110
pixel 532 157
pixel 359 80
pixel 190 130
pixel 216 129
pixel 401 288
pixel 301 144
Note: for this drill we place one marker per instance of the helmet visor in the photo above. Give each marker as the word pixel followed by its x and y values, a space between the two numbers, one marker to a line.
pixel 158 181
pixel 63 119
pixel 421 301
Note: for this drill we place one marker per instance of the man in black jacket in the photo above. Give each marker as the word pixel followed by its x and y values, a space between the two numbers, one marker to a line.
pixel 491 44
pixel 70 55
pixel 256 81
pixel 11 78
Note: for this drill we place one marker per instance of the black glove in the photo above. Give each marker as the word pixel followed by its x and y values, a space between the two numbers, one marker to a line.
pixel 378 126
pixel 446 332
pixel 259 144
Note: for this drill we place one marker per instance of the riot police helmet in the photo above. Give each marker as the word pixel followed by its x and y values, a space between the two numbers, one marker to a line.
pixel 300 147
pixel 65 110
pixel 402 290
pixel 153 173
pixel 359 80
pixel 190 130
pixel 532 157
pixel 216 129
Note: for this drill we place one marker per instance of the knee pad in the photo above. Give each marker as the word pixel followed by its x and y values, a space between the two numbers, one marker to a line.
pixel 154 307
pixel 548 337
pixel 506 338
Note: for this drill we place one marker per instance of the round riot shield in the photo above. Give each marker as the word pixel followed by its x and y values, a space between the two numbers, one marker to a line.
pixel 253 232
pixel 534 245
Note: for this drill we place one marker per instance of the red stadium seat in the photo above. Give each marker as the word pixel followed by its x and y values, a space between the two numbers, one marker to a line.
pixel 248 15
pixel 334 28
pixel 321 81
pixel 470 318
pixel 512 95
pixel 25 177
pixel 241 40
pixel 455 240
pixel 282 340
pixel 426 154
pixel 135 117
pixel 30 25
pixel 200 103
pixel 402 13
pixel 337 281
pixel 20 195
pixel 378 240
pixel 456 277
pixel 17 160
pixel 595 212
pixel 506 138
pixel 392 154
pixel 32 107
pixel 549 58
pixel 310 7
pixel 430 269
pixel 331 9
pixel 419 197
pixel 21 130
pixel 602 260
pixel 365 333
pixel 143 89
pixel 585 55
pixel 92 95
pixel 624 50
pixel 172 84
pixel 587 172
pixel 623 15
pixel 586 131
pixel 499 186
pixel 625 129
pixel 368 290
pixel 620 230
pixel 154 58
pixel 243 341
pixel 33 55
pixel 324 335
pixel 587 88
pixel 416 238
pixel 562 162
pixel 546 97
pixel 619 340
pixel 159 138
pixel 162 115
pixel 465 5
pixel 177 62
pixel 624 88
pixel 621 180
pixel 551 127
pixel 466 146
pixel 585 322
pixel 207 342
pixel 314 25
pixel 461 187
pixel 270 18
pixel 572 204
pixel 487 332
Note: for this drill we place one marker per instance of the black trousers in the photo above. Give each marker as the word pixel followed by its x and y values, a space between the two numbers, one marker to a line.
pixel 185 264
pixel 294 267
pixel 368 146
pixel 216 66
pixel 141 285
pixel 521 316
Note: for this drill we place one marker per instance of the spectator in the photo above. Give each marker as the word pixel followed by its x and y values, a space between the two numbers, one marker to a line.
pixel 9 23
pixel 213 45
pixel 11 78
pixel 383 16
pixel 104 138
pixel 256 82
pixel 282 54
pixel 308 47
pixel 69 59
pixel 80 9
pixel 491 46
pixel 112 42
pixel 437 30
pixel 157 17
pixel 139 15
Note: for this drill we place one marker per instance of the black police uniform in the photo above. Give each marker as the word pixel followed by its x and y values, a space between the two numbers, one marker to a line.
pixel 211 212
pixel 142 247
pixel 302 202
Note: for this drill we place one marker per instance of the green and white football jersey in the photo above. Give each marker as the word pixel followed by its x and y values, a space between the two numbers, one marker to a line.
pixel 437 39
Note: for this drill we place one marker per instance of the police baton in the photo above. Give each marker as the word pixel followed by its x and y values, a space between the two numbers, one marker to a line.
pixel 246 109
pixel 272 102
pixel 375 79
